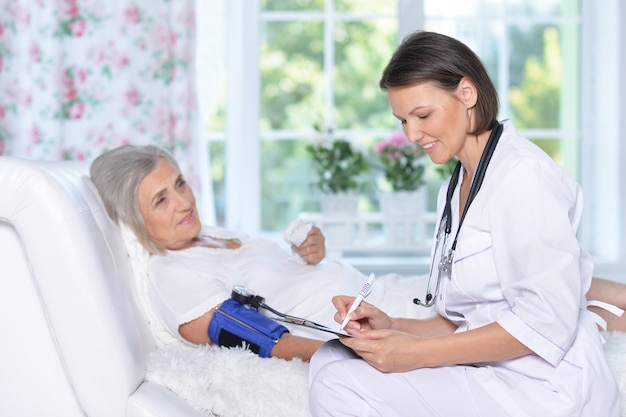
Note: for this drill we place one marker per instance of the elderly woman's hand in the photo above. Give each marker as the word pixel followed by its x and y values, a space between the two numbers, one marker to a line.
pixel 313 249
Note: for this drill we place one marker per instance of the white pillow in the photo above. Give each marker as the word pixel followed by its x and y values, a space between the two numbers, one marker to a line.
pixel 139 258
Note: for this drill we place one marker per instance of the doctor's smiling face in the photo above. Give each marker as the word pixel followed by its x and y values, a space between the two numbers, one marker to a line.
pixel 438 120
pixel 168 208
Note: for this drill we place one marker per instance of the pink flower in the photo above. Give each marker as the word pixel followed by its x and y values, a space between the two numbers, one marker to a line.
pixel 121 60
pixel 79 156
pixel 3 112
pixel 35 135
pixel 379 147
pixel 72 9
pixel 1 29
pixel 80 75
pixel 132 96
pixel 78 27
pixel 70 92
pixel 100 140
pixel 398 138
pixel 76 110
pixel 162 37
pixel 132 14
pixel 35 53
pixel 69 77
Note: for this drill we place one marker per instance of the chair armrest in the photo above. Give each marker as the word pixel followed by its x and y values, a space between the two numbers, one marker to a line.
pixel 152 400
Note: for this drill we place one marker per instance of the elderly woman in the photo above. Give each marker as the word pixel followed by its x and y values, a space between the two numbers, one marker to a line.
pixel 192 269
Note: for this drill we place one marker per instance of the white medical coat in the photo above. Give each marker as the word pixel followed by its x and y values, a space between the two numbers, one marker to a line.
pixel 518 262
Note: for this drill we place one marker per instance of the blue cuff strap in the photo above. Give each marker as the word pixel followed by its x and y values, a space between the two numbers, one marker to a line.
pixel 234 324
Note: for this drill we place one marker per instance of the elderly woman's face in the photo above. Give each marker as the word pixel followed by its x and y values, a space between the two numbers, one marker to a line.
pixel 168 208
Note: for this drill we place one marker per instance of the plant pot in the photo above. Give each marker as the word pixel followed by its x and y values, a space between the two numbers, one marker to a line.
pixel 401 210
pixel 338 206
pixel 340 203
pixel 403 203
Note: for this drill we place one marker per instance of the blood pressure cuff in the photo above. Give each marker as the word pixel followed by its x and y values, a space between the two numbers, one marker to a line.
pixel 235 324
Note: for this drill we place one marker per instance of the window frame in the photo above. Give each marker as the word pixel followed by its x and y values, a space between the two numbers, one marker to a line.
pixel 602 144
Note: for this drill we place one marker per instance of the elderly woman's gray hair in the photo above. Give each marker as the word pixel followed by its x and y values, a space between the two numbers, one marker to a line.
pixel 117 175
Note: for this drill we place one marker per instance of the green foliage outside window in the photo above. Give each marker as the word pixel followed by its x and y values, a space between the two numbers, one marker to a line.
pixel 293 91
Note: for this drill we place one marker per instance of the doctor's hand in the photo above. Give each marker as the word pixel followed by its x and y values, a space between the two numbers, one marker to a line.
pixel 365 317
pixel 388 350
pixel 313 249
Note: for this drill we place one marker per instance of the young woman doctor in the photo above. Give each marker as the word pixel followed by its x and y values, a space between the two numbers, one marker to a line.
pixel 512 335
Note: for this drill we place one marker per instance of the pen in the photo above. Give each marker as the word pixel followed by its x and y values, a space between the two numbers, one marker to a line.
pixel 365 290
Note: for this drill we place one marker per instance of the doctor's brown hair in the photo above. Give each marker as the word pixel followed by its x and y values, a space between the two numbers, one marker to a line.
pixel 428 56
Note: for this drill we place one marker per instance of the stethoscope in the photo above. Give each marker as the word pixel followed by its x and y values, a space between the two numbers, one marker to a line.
pixel 445 223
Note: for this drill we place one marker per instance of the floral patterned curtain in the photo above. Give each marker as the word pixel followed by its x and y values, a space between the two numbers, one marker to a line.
pixel 78 77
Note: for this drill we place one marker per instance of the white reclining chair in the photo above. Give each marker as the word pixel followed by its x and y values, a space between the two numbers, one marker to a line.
pixel 74 342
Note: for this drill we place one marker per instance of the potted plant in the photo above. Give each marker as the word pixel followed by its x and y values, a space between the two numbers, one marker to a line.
pixel 403 166
pixel 341 170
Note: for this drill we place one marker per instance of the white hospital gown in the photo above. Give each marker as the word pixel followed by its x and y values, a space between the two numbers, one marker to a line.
pixel 183 285
pixel 518 262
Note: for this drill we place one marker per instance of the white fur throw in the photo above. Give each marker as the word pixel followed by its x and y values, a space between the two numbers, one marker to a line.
pixel 236 383
pixel 232 382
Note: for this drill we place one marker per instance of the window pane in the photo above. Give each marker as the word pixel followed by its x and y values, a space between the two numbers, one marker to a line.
pixel 514 9
pixel 289 182
pixel 287 5
pixel 483 39
pixel 367 6
pixel 564 149
pixel 362 49
pixel 536 8
pixel 286 187
pixel 539 80
pixel 552 147
pixel 217 155
pixel 536 70
pixel 291 61
pixel 544 85
pixel 434 9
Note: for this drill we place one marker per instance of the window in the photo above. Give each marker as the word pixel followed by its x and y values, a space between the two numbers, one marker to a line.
pixel 531 49
pixel 287 66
